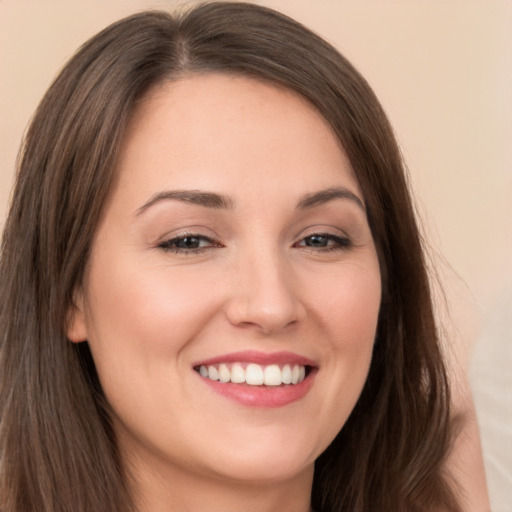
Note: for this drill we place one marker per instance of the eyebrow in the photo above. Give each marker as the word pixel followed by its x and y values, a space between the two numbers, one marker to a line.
pixel 218 201
pixel 329 194
pixel 197 197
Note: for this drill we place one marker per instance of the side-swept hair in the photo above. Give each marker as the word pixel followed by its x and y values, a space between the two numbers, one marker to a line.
pixel 58 450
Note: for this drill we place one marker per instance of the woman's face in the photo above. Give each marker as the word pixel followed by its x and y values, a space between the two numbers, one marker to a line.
pixel 234 245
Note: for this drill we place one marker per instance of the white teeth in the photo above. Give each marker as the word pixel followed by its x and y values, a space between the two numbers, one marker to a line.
pixel 224 373
pixel 286 374
pixel 272 375
pixel 254 374
pixel 295 374
pixel 213 373
pixel 237 374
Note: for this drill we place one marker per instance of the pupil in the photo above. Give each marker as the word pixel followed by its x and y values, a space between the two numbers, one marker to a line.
pixel 316 241
pixel 188 242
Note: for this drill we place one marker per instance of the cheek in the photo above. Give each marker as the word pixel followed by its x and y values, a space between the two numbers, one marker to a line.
pixel 140 321
pixel 347 309
pixel 152 301
pixel 348 304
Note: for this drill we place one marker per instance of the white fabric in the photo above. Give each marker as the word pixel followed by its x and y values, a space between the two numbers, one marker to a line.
pixel 491 382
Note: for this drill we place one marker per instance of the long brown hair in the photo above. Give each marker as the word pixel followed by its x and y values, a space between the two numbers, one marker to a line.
pixel 57 447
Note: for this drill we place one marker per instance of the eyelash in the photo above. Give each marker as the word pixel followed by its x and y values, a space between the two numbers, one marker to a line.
pixel 171 245
pixel 338 243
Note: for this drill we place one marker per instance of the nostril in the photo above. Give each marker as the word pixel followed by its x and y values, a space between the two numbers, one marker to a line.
pixel 253 313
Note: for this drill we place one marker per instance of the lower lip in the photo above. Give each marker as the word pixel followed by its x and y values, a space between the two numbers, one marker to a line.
pixel 261 396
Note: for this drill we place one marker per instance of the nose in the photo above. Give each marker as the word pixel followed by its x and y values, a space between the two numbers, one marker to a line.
pixel 264 295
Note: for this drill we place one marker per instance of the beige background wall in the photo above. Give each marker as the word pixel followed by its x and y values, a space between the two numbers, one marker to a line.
pixel 442 69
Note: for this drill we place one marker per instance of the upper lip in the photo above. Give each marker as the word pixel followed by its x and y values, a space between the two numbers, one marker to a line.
pixel 258 357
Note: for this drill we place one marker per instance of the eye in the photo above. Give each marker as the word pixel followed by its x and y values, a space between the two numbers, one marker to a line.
pixel 189 243
pixel 325 242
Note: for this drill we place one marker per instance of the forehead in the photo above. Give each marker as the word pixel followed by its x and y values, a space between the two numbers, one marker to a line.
pixel 210 127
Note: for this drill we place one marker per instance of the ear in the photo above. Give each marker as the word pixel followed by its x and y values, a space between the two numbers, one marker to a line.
pixel 76 325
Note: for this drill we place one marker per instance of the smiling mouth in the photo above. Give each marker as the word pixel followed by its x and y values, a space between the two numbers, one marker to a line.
pixel 253 374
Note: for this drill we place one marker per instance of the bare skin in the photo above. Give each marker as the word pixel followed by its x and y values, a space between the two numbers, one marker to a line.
pixel 233 220
pixel 164 478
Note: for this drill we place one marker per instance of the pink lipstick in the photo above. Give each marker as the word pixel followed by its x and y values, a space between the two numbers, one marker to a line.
pixel 257 378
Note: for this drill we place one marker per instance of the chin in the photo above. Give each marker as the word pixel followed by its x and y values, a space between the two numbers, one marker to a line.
pixel 266 469
pixel 268 456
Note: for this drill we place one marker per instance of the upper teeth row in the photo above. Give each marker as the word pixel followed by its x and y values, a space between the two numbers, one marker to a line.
pixel 255 374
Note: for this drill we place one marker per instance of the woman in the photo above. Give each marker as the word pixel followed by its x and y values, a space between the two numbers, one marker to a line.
pixel 213 287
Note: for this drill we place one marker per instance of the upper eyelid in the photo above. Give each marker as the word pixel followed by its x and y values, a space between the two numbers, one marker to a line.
pixel 313 232
pixel 327 235
pixel 339 243
pixel 331 236
pixel 186 232
pixel 189 235
pixel 323 231
pixel 167 242
pixel 199 232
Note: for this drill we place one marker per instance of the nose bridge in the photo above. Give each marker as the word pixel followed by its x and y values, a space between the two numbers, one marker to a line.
pixel 263 293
